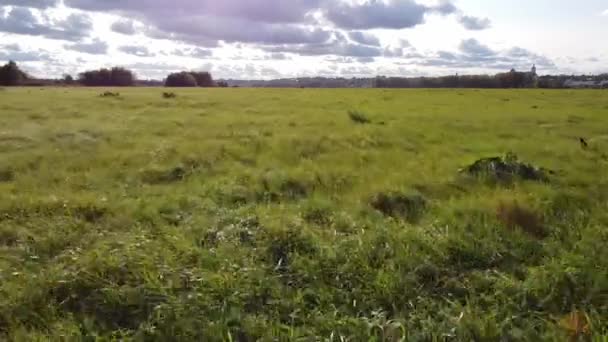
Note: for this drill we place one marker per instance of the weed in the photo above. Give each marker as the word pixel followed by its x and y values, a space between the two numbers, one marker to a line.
pixel 169 95
pixel 358 117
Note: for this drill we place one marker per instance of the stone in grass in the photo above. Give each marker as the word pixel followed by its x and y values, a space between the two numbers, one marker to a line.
pixel 506 168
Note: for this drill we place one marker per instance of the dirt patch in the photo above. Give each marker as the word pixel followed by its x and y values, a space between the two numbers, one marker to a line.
pixel 400 206
pixel 157 176
pixel 506 168
pixel 358 117
pixel 109 94
pixel 80 138
pixel 6 175
pixel 14 143
pixel 514 216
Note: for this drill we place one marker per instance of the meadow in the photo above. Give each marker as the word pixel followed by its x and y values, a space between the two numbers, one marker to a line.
pixel 301 214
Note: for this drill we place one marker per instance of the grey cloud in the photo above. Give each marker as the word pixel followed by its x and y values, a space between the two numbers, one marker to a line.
pixel 29 3
pixel 193 52
pixel 366 59
pixel 364 38
pixel 393 52
pixel 268 11
pixel 474 54
pixel 206 28
pixel 474 48
pixel 277 56
pixel 15 53
pixel 445 7
pixel 329 49
pixel 140 51
pixel 21 20
pixel 268 22
pixel 474 23
pixel 124 26
pixel 396 14
pixel 96 47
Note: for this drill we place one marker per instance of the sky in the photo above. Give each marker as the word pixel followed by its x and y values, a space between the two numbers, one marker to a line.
pixel 267 39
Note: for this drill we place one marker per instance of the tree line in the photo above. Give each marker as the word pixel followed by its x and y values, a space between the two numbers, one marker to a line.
pixel 511 79
pixel 11 75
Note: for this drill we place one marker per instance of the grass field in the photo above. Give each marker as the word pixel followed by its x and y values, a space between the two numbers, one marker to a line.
pixel 332 215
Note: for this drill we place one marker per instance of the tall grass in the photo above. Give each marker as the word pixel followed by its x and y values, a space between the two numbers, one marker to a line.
pixel 216 217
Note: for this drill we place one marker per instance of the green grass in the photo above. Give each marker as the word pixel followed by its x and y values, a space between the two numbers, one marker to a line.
pixel 246 214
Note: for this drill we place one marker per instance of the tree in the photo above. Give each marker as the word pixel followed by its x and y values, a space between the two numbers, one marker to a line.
pixel 121 77
pixel 181 79
pixel 68 79
pixel 203 79
pixel 11 75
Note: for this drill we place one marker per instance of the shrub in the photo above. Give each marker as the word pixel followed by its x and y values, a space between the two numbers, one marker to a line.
pixel 180 79
pixel 358 117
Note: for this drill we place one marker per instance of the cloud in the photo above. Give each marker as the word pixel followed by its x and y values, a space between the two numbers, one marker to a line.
pixel 193 52
pixel 364 38
pixel 139 51
pixel 15 53
pixel 20 20
pixel 96 47
pixel 30 3
pixel 265 22
pixel 124 26
pixel 473 47
pixel 474 23
pixel 396 14
pixel 473 54
pixel 335 48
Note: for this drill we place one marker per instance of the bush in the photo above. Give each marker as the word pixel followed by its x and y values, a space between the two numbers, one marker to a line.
pixel 181 79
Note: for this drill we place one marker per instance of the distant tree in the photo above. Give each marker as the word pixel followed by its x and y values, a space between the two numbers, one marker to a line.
pixel 181 79
pixel 222 84
pixel 203 79
pixel 11 75
pixel 121 77
pixel 115 77
pixel 68 79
